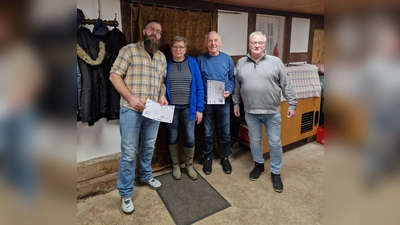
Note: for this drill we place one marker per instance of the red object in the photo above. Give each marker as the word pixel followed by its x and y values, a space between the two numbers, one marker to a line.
pixel 320 134
pixel 244 132
pixel 276 53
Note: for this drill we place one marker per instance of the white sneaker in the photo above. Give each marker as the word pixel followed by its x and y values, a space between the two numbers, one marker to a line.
pixel 127 206
pixel 153 184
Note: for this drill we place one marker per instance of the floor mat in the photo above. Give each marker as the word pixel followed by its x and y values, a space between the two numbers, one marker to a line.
pixel 189 201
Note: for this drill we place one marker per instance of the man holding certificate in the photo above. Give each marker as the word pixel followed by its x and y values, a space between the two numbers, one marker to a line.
pixel 138 74
pixel 217 71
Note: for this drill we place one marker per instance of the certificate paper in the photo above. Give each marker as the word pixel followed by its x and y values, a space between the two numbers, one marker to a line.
pixel 214 92
pixel 158 112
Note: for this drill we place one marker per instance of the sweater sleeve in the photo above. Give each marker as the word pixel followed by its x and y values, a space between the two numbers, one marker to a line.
pixel 236 92
pixel 199 88
pixel 287 89
pixel 229 86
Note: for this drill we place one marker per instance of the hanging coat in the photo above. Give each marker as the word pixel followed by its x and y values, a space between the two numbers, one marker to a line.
pixel 94 77
pixel 115 41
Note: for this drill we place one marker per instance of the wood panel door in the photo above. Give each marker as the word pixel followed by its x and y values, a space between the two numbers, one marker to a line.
pixel 318 47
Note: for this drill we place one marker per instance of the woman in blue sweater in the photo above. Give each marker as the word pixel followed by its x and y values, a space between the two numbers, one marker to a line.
pixel 185 91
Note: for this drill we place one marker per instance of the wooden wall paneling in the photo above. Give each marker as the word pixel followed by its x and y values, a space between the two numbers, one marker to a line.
pixel 315 7
pixel 235 58
pixel 286 39
pixel 318 47
pixel 125 20
pixel 251 27
pixel 298 57
pixel 310 40
pixel 318 21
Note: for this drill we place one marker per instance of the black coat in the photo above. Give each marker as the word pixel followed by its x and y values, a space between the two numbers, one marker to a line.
pixel 114 42
pixel 94 78
pixel 97 97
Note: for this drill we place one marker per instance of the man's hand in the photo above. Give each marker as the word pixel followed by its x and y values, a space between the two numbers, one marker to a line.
pixel 199 117
pixel 226 94
pixel 162 100
pixel 236 111
pixel 291 113
pixel 136 103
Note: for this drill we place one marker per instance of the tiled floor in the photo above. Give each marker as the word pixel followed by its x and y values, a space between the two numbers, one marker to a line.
pixel 252 202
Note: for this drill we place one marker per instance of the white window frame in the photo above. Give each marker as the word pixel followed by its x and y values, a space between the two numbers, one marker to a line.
pixel 268 25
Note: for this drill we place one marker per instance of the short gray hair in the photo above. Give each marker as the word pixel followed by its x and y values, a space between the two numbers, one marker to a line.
pixel 219 37
pixel 257 32
pixel 179 39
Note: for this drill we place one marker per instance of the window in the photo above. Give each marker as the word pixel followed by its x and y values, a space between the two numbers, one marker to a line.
pixel 272 27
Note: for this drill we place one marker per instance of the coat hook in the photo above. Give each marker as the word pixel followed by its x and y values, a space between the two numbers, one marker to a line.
pixel 115 18
pixel 99 15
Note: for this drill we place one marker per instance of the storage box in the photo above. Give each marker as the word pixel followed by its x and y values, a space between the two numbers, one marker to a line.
pixel 320 134
pixel 244 132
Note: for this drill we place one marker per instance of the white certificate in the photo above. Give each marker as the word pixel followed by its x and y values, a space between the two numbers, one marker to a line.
pixel 158 112
pixel 214 92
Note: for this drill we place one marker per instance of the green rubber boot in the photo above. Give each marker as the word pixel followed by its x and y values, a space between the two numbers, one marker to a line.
pixel 176 169
pixel 189 155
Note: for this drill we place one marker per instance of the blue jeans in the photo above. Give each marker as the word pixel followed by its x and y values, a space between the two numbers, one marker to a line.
pixel 133 124
pixel 17 134
pixel 272 124
pixel 223 116
pixel 181 116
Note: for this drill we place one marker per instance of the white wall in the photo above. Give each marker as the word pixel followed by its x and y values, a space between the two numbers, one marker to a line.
pixel 103 137
pixel 300 34
pixel 108 8
pixel 232 27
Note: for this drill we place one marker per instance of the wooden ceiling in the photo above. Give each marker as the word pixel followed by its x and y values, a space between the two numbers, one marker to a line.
pixel 314 7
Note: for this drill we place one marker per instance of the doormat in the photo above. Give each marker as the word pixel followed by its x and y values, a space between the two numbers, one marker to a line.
pixel 189 201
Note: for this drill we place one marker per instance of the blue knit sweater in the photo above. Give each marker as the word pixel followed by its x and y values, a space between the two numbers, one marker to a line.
pixel 220 68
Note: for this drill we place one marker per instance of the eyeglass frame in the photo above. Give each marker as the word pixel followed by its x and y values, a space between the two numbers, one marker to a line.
pixel 157 31
pixel 178 47
pixel 260 43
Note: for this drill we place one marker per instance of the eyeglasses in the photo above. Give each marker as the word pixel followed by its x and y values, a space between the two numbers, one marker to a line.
pixel 178 47
pixel 157 31
pixel 257 42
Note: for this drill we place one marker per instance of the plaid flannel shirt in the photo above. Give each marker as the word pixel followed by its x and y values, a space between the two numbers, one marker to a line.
pixel 142 74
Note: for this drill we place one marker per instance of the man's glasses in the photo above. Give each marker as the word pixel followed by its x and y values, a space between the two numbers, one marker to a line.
pixel 257 42
pixel 157 31
pixel 178 47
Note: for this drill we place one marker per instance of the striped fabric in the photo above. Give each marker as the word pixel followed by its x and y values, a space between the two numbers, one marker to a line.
pixel 142 74
pixel 180 79
pixel 305 81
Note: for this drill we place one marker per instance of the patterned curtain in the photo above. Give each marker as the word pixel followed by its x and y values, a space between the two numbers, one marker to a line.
pixel 189 24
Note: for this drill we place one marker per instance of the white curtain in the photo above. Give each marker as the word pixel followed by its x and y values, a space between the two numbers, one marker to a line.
pixel 268 26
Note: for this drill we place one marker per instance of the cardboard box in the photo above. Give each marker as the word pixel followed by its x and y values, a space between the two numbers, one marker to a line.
pixel 320 134
pixel 244 132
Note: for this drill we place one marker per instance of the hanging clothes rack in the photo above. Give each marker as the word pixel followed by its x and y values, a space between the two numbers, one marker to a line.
pixel 112 23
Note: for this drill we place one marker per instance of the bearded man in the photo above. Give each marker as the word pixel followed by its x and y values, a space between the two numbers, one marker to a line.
pixel 138 73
